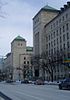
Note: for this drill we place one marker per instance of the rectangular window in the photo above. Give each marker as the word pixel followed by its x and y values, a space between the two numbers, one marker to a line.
pixel 67 26
pixel 57 32
pixel 49 37
pixel 68 44
pixel 60 47
pixel 54 43
pixel 49 45
pixel 63 37
pixel 54 34
pixel 67 36
pixel 64 46
pixel 63 18
pixel 66 16
pixel 24 58
pixel 24 62
pixel 57 41
pixel 60 20
pixel 63 29
pixel 27 62
pixel 60 30
pixel 60 39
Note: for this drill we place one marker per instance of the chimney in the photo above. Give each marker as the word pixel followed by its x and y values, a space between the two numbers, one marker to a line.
pixel 65 6
pixel 68 4
pixel 62 9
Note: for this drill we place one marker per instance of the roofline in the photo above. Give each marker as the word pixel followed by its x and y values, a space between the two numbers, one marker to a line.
pixel 18 40
pixel 43 9
pixel 60 13
pixel 66 7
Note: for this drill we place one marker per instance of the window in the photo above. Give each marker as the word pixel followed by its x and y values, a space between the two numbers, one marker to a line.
pixel 51 26
pixel 54 50
pixel 49 37
pixel 57 32
pixel 60 20
pixel 63 18
pixel 24 58
pixel 67 26
pixel 68 44
pixel 57 40
pixel 18 44
pixel 60 30
pixel 46 46
pixel 27 62
pixel 63 29
pixel 67 36
pixel 49 45
pixel 60 39
pixel 66 16
pixel 60 47
pixel 63 37
pixel 64 46
pixel 56 22
pixel 51 51
pixel 54 43
pixel 24 62
pixel 54 34
pixel 21 44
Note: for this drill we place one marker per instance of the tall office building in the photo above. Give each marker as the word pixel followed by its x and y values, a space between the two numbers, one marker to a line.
pixel 57 36
pixel 45 15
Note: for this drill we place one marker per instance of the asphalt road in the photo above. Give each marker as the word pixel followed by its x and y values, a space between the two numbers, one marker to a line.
pixel 34 92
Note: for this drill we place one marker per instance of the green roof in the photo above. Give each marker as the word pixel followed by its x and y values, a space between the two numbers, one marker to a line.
pixel 19 38
pixel 29 48
pixel 49 8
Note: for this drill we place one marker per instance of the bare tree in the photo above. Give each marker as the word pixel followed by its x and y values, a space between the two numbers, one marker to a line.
pixel 49 63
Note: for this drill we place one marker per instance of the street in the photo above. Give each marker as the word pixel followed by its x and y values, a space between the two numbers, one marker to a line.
pixel 34 92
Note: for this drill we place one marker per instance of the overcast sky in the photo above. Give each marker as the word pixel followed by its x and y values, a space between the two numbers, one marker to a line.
pixel 18 20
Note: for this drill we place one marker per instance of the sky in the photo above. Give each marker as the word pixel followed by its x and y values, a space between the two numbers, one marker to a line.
pixel 16 19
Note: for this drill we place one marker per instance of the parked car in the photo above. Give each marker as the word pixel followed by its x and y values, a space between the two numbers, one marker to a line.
pixel 9 81
pixel 65 84
pixel 25 81
pixel 39 82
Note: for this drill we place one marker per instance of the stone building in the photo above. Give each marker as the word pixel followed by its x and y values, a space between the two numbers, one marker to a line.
pixel 18 62
pixel 51 33
pixel 57 33
pixel 45 15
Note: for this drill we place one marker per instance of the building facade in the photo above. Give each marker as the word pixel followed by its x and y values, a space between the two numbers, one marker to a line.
pixel 45 15
pixel 57 33
pixel 51 34
pixel 19 60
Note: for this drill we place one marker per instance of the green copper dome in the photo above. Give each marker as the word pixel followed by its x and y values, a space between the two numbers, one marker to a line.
pixel 19 38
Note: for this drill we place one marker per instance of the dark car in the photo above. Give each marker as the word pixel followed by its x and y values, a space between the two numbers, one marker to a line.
pixel 25 81
pixel 65 84
pixel 39 82
pixel 9 81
